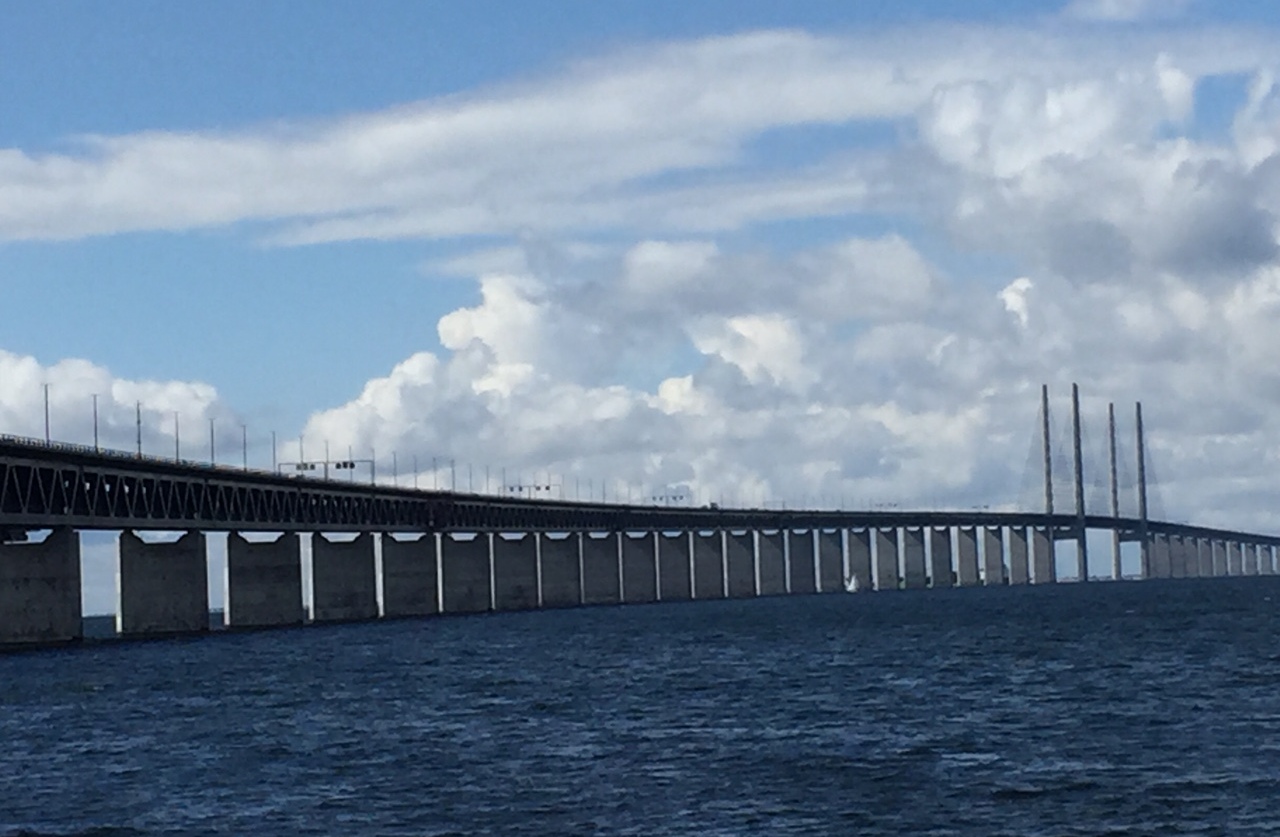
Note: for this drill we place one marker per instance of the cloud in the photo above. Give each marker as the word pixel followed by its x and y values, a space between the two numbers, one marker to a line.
pixel 658 138
pixel 1126 11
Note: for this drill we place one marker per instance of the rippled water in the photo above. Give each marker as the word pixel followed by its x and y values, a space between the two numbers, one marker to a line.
pixel 1103 709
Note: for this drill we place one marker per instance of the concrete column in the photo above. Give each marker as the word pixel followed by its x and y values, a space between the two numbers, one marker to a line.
pixel 887 577
pixel 1267 558
pixel 639 568
pixel 560 570
pixel 264 582
pixel 601 569
pixel 344 579
pixel 40 591
pixel 515 572
pixel 802 572
pixel 410 576
pixel 708 566
pixel 967 559
pixel 1235 560
pixel 940 573
pixel 860 560
pixel 1191 557
pixel 1160 564
pixel 913 563
pixel 1177 558
pixel 1219 549
pixel 740 563
pixel 1043 557
pixel 162 588
pixel 466 581
pixel 1203 555
pixel 993 573
pixel 675 567
pixel 1018 564
pixel 1250 559
pixel 773 567
pixel 831 562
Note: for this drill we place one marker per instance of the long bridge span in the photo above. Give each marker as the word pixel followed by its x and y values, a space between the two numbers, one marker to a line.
pixel 423 552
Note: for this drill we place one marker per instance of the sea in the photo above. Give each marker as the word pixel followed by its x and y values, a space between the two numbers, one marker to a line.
pixel 1079 709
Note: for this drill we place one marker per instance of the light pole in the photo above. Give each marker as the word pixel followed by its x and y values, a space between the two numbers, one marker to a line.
pixel 46 414
pixel 177 444
pixel 395 470
pixel 213 459
pixel 244 446
pixel 95 421
pixel 137 407
pixel 275 467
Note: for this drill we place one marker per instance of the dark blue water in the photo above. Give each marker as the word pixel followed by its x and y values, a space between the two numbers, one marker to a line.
pixel 1103 709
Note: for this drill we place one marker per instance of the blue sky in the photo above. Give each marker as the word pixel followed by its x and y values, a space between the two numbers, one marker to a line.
pixel 754 246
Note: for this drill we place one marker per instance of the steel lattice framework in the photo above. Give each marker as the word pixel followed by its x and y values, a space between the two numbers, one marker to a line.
pixel 46 485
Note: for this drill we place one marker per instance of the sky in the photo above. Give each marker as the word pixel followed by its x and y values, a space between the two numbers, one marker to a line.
pixel 745 252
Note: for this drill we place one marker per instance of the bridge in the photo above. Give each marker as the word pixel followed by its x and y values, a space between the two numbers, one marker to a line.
pixel 417 553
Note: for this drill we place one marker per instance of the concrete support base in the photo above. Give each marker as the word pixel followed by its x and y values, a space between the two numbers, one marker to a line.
pixel 1160 564
pixel 708 566
pixel 740 564
pixel 40 591
pixel 887 577
pixel 860 574
pixel 1235 561
pixel 772 563
pixel 802 572
pixel 601 569
pixel 162 588
pixel 515 572
pixel 264 582
pixel 466 584
pixel 831 562
pixel 1250 559
pixel 1019 572
pixel 940 573
pixel 560 570
pixel 967 557
pixel 344 579
pixel 1219 552
pixel 993 572
pixel 410 576
pixel 639 568
pixel 1043 559
pixel 913 574
pixel 675 570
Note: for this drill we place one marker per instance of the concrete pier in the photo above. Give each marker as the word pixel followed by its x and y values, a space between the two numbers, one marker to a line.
pixel 344 579
pixel 264 582
pixel 1160 556
pixel 1219 550
pixel 887 577
pixel 993 573
pixel 466 583
pixel 162 588
pixel 410 577
pixel 675 567
pixel 860 560
pixel 967 557
pixel 1235 560
pixel 1043 561
pixel 1019 572
pixel 639 568
pixel 708 566
pixel 913 574
pixel 559 570
pixel 801 565
pixel 1250 559
pixel 1204 554
pixel 831 562
pixel 1177 557
pixel 601 569
pixel 740 563
pixel 40 590
pixel 515 572
pixel 1266 561
pixel 771 562
pixel 1190 557
pixel 940 574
